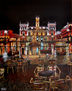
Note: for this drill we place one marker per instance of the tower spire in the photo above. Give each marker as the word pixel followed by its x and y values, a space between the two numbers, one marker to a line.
pixel 37 22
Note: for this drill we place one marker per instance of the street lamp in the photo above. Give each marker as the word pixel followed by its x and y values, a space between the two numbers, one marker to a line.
pixel 5 56
pixel 5 32
pixel 68 30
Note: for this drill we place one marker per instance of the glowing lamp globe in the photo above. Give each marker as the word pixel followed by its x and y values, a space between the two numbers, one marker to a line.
pixel 5 31
pixel 68 30
pixel 5 56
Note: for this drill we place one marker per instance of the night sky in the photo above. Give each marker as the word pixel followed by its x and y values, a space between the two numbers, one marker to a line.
pixel 14 11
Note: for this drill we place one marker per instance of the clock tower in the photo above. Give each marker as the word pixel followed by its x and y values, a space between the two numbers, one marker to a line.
pixel 37 22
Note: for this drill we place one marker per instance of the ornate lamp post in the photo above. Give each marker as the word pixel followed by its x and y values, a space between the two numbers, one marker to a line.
pixel 5 56
pixel 5 32
pixel 19 49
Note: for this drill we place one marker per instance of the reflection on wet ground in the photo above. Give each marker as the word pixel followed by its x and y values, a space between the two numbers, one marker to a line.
pixel 24 79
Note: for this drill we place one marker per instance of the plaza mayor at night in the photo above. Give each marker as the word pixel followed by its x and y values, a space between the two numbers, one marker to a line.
pixel 36 46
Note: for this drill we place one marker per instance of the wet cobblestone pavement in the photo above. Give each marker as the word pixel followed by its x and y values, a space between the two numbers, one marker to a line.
pixel 20 81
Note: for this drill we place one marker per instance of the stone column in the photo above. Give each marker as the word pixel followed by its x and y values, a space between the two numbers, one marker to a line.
pixel 29 51
pixel 52 47
pixel 39 51
pixel 26 51
pixel 67 53
pixel 16 44
pixel 19 50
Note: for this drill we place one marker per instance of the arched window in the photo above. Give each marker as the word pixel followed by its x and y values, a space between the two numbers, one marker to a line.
pixel 41 38
pixel 37 38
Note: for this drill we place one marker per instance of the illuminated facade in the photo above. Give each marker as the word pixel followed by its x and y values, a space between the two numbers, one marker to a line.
pixel 8 41
pixel 67 34
pixel 36 40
